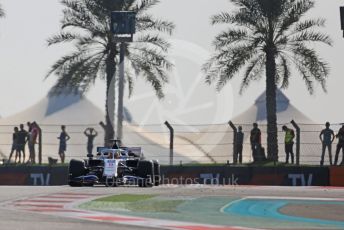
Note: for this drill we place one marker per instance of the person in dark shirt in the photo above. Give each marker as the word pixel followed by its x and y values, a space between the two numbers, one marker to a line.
pixel 340 145
pixel 14 145
pixel 91 134
pixel 64 137
pixel 327 137
pixel 22 139
pixel 239 146
pixel 255 140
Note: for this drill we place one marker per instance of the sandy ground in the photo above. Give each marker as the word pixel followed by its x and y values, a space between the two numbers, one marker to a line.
pixel 315 211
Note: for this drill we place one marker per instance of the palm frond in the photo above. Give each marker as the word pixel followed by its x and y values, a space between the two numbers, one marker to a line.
pixel 242 18
pixel 226 63
pixel 222 18
pixel 2 12
pixel 306 77
pixel 63 37
pixel 311 66
pixel 151 56
pixel 90 42
pixel 311 36
pixel 155 40
pixel 145 5
pixel 78 75
pixel 64 61
pixel 148 23
pixel 83 22
pixel 308 24
pixel 293 13
pixel 230 37
pixel 154 75
pixel 285 72
pixel 253 72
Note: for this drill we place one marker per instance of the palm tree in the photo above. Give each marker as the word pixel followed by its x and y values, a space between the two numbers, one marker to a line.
pixel 86 25
pixel 268 36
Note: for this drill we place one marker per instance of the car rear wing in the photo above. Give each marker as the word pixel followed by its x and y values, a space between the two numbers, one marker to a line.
pixel 135 152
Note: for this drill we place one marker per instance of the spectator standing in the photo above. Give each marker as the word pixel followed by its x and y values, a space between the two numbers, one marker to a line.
pixel 255 139
pixel 14 145
pixel 327 137
pixel 239 146
pixel 64 137
pixel 340 145
pixel 289 143
pixel 29 138
pixel 91 134
pixel 29 126
pixel 33 135
pixel 22 139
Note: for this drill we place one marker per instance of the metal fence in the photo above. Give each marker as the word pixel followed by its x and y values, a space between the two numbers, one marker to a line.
pixel 206 143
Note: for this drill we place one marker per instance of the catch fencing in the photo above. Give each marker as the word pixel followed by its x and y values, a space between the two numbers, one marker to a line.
pixel 205 143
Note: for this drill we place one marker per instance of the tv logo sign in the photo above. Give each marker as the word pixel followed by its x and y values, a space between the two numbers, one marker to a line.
pixel 40 179
pixel 304 181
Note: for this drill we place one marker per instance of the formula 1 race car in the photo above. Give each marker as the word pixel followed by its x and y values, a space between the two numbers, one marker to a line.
pixel 114 167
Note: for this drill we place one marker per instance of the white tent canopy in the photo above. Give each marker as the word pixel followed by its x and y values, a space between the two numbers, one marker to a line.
pixel 217 140
pixel 285 111
pixel 204 144
pixel 78 113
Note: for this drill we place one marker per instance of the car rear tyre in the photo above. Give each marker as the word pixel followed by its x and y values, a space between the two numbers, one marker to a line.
pixel 157 178
pixel 132 163
pixel 76 169
pixel 88 185
pixel 74 184
pixel 145 171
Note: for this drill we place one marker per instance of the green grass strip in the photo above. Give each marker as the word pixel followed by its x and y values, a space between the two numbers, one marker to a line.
pixel 154 206
pixel 129 198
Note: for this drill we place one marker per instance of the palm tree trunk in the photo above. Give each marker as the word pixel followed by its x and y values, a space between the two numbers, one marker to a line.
pixel 110 98
pixel 272 139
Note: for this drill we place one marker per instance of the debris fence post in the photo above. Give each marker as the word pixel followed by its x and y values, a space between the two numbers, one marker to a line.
pixel 235 131
pixel 171 140
pixel 298 143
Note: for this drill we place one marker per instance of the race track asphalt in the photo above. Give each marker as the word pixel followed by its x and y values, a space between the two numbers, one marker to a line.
pixel 21 219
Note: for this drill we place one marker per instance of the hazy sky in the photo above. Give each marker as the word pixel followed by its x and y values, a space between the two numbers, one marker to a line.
pixel 25 59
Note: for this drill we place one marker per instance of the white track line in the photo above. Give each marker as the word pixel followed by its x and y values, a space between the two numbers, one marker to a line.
pixel 294 198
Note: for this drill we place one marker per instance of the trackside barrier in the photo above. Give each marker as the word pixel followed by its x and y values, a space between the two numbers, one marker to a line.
pixel 33 175
pixel 226 175
pixel 216 175
pixel 337 176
